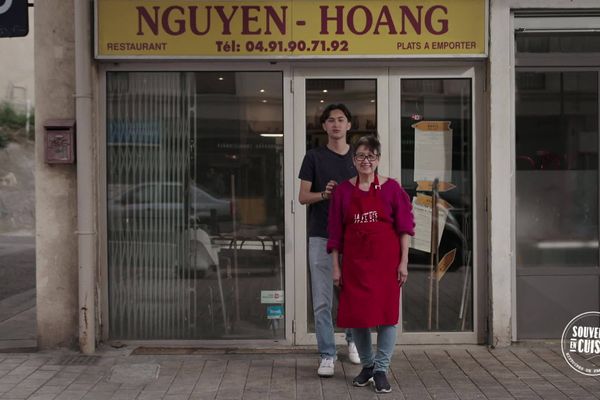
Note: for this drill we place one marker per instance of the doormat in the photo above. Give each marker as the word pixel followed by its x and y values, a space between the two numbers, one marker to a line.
pixel 178 351
pixel 76 360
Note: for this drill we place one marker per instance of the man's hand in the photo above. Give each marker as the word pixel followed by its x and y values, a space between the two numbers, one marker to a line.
pixel 329 189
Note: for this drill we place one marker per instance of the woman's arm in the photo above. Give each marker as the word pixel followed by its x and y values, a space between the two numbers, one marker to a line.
pixel 404 221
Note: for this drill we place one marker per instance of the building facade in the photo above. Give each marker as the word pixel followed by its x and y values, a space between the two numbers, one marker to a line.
pixel 179 222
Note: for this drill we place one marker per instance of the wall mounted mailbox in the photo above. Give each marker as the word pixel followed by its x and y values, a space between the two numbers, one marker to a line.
pixel 60 141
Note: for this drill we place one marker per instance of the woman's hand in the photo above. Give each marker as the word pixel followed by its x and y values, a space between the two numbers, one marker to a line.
pixel 403 272
pixel 403 267
pixel 337 270
pixel 337 275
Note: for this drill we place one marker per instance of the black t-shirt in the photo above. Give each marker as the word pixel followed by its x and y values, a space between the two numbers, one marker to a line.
pixel 320 165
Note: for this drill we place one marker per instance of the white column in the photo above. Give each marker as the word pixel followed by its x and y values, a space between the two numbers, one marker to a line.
pixel 501 200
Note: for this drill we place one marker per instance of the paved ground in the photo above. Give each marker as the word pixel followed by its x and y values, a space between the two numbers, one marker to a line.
pixel 534 371
pixel 450 372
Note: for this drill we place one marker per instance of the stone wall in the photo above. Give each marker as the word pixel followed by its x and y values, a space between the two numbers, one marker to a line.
pixel 56 185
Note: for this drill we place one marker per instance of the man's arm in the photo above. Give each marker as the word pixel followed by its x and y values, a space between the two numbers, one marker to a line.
pixel 306 196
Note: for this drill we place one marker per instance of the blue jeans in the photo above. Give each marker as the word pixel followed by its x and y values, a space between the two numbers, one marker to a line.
pixel 321 279
pixel 386 340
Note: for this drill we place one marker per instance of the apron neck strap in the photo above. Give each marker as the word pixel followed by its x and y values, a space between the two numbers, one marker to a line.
pixel 372 188
pixel 376 181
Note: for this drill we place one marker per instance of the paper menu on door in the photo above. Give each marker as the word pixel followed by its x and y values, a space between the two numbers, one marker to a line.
pixel 433 151
pixel 422 212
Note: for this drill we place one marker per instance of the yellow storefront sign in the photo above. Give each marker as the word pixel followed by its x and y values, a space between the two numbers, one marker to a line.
pixel 290 29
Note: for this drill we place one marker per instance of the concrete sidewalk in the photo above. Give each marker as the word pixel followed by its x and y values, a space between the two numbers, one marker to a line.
pixel 424 372
pixel 534 371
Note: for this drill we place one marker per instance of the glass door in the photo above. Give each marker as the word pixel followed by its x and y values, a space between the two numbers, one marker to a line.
pixel 434 120
pixel 428 121
pixel 363 92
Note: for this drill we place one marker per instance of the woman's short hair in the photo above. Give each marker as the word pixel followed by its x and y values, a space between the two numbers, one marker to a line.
pixel 370 142
pixel 327 111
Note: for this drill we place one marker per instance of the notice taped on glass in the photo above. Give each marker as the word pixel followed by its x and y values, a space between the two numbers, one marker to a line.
pixel 433 151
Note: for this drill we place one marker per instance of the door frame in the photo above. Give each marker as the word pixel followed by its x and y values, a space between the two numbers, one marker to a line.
pixel 475 73
pixel 302 336
pixel 101 189
pixel 389 97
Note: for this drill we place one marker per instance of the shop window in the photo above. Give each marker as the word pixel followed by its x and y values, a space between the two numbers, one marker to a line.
pixel 557 169
pixel 195 205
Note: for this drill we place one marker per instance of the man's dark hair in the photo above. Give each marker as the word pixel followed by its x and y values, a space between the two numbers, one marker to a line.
pixel 370 142
pixel 327 111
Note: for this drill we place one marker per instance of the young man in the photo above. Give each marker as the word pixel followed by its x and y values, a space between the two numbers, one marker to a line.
pixel 322 169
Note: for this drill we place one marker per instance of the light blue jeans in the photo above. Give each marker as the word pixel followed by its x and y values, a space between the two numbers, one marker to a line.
pixel 321 279
pixel 386 340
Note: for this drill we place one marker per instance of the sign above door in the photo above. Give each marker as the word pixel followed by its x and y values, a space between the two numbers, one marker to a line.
pixel 258 29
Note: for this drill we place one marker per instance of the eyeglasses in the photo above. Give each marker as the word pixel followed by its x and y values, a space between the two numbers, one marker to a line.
pixel 363 157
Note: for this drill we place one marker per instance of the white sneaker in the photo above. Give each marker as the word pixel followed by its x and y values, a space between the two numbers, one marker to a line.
pixel 353 353
pixel 326 367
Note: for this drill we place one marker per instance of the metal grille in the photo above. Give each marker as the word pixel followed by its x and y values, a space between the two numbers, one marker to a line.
pixel 148 156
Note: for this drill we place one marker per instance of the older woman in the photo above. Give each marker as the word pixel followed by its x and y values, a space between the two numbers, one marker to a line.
pixel 370 220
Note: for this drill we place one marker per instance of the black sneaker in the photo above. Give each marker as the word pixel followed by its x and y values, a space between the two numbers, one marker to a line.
pixel 381 383
pixel 364 378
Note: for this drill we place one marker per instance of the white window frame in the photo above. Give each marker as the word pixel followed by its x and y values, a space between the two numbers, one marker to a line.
pixel 388 74
pixel 479 175
pixel 543 21
pixel 289 239
pixel 303 337
pixel 388 125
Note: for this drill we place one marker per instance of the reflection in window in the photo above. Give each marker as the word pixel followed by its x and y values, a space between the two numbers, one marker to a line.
pixel 557 169
pixel 359 95
pixel 195 205
pixel 436 144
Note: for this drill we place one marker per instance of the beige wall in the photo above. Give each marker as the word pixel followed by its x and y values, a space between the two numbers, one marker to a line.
pixel 16 66
pixel 56 200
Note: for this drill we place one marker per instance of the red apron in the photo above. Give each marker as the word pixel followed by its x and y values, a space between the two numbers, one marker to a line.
pixel 370 293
